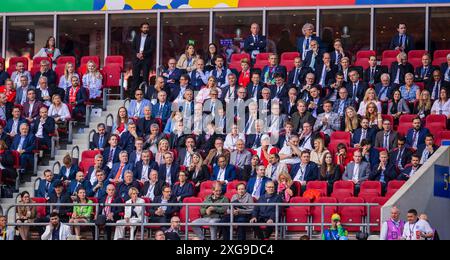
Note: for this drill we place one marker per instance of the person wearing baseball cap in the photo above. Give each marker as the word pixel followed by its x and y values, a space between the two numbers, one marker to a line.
pixel 336 231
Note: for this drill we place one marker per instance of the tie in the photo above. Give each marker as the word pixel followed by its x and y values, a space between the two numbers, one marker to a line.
pixel 338 58
pixel 307 44
pixel 424 72
pixel 160 111
pixel 436 91
pixel 100 142
pixel 355 91
pixel 110 157
pixel 324 75
pixel 249 124
pixel 399 157
pixel 416 133
pixel 297 71
pixel 397 77
pixel 257 141
pixel 47 188
pixel 119 173
pixel 372 75
pixel 256 192
pixel 363 135
pixel 386 142
pixel 255 39
pixel 401 41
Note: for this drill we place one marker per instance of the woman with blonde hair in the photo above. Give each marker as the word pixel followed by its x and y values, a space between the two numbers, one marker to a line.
pixel 197 172
pixel 203 94
pixel 374 116
pixel 423 108
pixel 319 152
pixel 65 82
pixel 351 120
pixel 25 213
pixel 285 187
pixel 163 148
pixel 176 117
pixel 93 80
pixel 369 97
pixel 188 59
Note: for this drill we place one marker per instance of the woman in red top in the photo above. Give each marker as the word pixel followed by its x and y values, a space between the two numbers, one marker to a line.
pixel 244 75
pixel 10 92
pixel 342 156
pixel 121 122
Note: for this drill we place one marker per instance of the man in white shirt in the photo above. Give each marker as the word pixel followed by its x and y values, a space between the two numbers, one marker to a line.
pixel 275 167
pixel 416 229
pixel 327 122
pixel 289 154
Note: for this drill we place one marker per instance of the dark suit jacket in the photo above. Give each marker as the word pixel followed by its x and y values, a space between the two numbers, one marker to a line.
pixel 422 147
pixel 371 133
pixel 423 132
pixel 374 157
pixel 174 170
pixel 409 43
pixel 139 167
pixel 176 74
pixel 279 69
pixel 404 69
pixel 196 81
pixel 430 86
pixel 187 190
pixel 115 169
pixel 51 77
pixel 115 156
pixel 10 123
pixel 379 70
pixel 250 140
pixel 34 113
pixel 301 76
pixel 73 187
pixel 167 108
pixel 362 87
pixel 64 199
pixel 301 40
pixel 81 98
pixel 444 67
pixel 123 189
pixel 203 175
pixel 95 141
pixel 405 174
pixel 28 145
pixel 308 59
pixel 40 192
pixel 251 88
pixel 159 185
pixel 298 120
pixel 250 44
pixel 405 159
pixel 143 126
pixel 8 110
pixel 230 173
pixel 170 209
pixel 251 185
pixel 3 76
pixel 115 210
pixel 389 174
pixel 175 91
pixel 72 173
pixel 225 93
pixel 311 171
pixel 148 48
pixel 390 91
pixel 427 73
pixel 48 128
pixel 282 94
pixel 127 142
pixel 393 137
pixel 329 76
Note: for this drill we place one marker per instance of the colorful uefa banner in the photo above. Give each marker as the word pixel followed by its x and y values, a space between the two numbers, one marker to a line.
pixel 95 5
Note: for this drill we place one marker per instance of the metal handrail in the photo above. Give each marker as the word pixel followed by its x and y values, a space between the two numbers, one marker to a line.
pixel 187 224
pixel 57 163
pixel 78 152
pixel 112 119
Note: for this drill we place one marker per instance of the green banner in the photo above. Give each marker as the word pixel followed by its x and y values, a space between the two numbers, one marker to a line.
pixel 45 5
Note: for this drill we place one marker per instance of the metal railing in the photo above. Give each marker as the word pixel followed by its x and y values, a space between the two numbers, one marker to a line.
pixel 277 224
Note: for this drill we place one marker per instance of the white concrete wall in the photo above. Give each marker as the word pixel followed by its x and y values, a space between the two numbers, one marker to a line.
pixel 418 193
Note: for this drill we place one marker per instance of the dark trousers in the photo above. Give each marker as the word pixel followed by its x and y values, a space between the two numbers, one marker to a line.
pixel 26 161
pixel 157 219
pixel 138 66
pixel 241 231
pixel 266 233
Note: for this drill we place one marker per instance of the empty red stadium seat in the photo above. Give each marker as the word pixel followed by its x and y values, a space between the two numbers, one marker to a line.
pixel 62 60
pixel 344 137
pixel 403 129
pixel 194 212
pixel 41 211
pixel 204 193
pixel 388 57
pixel 442 136
pixel 207 185
pixel 13 61
pixel 289 56
pixel 118 59
pixel 344 186
pixel 230 194
pixel 316 212
pixel 298 214
pixel 112 73
pixel 371 186
pixel 263 57
pixel 415 57
pixel 406 119
pixel 436 123
pixel 375 212
pixel 440 56
pixel 352 214
pixel 231 186
pixel 87 160
pixel 341 195
pixel 395 185
pixel 237 57
pixel 322 186
pixel 86 59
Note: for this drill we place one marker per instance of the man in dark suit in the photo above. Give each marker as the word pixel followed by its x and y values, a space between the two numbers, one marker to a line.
pixel 98 163
pixel 124 187
pixel 402 41
pixel 280 89
pixel 401 155
pixel 46 186
pixel 387 138
pixel 385 89
pixel 199 76
pixel 416 136
pixel 168 171
pixel 325 71
pixel 144 167
pixel 128 138
pixel 255 87
pixel 185 154
pixel 45 71
pixel 172 74
pixel 24 143
pixel 31 107
pixel 58 196
pixel 445 69
pixel 162 109
pixel 118 169
pixel 424 73
pixel 305 171
pixel 384 171
pixel 79 182
pixel 44 128
pixel 13 124
pixel 298 74
pixel 257 185
pixel 111 153
pixel 100 138
pixel 269 71
pixel 178 91
pixel 161 214
pixel 255 43
pixel 5 108
pixel 142 47
pixel 356 88
pixel 369 153
pixel 408 172
pixel 3 74
pixel 372 75
pixel 223 172
pixel 99 186
pixel 304 42
pixel 76 96
pixel 435 85
pixel 229 91
pixel 362 133
pixel 111 213
pixel 290 104
pixel 400 68
pixel 153 187
pixel 314 57
pixel 253 140
pixel 427 149
pixel 302 116
pixel 342 101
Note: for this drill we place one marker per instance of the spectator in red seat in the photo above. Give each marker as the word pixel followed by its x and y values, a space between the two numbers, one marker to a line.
pixel 315 101
pixel 387 138
pixel 427 149
pixel 416 135
pixel 3 74
pixel 265 150
pixel 32 107
pixel 185 154
pixel 122 121
pixel 163 214
pixel 43 127
pixel 118 170
pixel 144 123
pixel 435 85
pixel 111 153
pixel 20 71
pixel 46 185
pixel 168 171
pixel 98 163
pixel 241 213
pixel 137 106
pixel 199 76
pixel 408 172
pixel 290 105
pixel 99 187
pixel 342 101
pixel 400 68
pixel 153 187
pixel 135 154
pixel 342 156
pixel 410 91
pixel 329 172
pixel 244 75
pixel 266 214
pixel 7 160
pixel 80 182
pixel 328 122
pixel 143 167
pixel 314 55
pixel 445 69
pixel 305 171
pixel 92 80
pixel 442 105
pixel 344 68
pixel 325 73
pixel 68 170
pixel 306 137
pixel 398 106
pixel 59 197
pixel 45 71
pixel 256 185
pixel 218 150
pixel 197 171
pixel 127 184
pixel 65 82
pixel 163 147
pixel 81 214
pixel 49 50
pixel 10 91
pixel 5 108
pixel 183 189
pixel 369 97
pixel 24 143
pixel 133 214
pixel 357 171
pixel 352 121
pixel 188 58
pixel 59 111
pixel 289 153
pixel 128 138
pixel 384 89
pixel 223 172
pixel 424 73
pixel 319 152
pixel 211 214
pixel 285 188
pixel 172 74
pixel 384 171
pixel 423 108
pixel 25 213
pixel 111 213
pixel 275 167
pixel 76 97
pixel 374 116
pixel 373 74
pixel 401 155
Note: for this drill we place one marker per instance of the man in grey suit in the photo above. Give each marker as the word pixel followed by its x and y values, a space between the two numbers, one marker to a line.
pixel 240 157
pixel 387 138
pixel 327 122
pixel 22 90
pixel 357 171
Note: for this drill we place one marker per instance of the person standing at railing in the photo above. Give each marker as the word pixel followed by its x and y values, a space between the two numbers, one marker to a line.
pixel 267 214
pixel 56 230
pixel 336 231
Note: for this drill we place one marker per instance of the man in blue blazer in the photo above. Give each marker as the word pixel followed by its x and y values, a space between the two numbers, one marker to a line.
pixel 43 127
pixel 416 135
pixel 269 71
pixel 99 187
pixel 356 88
pixel 118 169
pixel 79 182
pixel 172 73
pixel 168 171
pixel 111 153
pixel 46 186
pixel 177 92
pixel 81 98
pixel 384 171
pixel 257 185
pixel 24 143
pixel 255 86
pixel 325 71
pixel 303 43
pixel 144 167
pixel 402 41
pixel 223 172
pixel 385 89
pixel 162 109
pixel 305 171
pixel 369 153
pixel 199 77
pixel 136 108
pixel 314 57
pixel 12 127
pixel 255 43
pixel 297 75
pixel 409 171
pixel 364 132
pixel 128 138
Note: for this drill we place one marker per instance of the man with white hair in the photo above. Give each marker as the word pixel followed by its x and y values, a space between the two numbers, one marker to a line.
pixel 45 71
pixel 385 89
pixel 392 229
pixel 255 43
pixel 400 68
pixel 445 69
pixel 303 43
